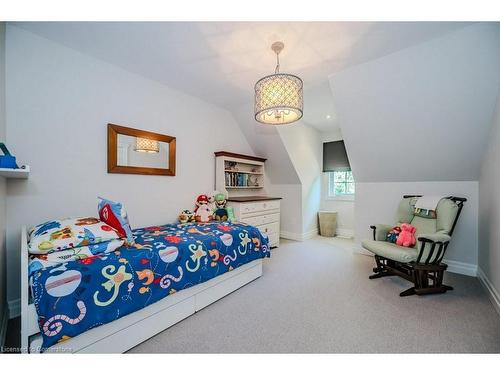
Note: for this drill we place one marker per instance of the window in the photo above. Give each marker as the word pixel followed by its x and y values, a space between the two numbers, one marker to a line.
pixel 340 183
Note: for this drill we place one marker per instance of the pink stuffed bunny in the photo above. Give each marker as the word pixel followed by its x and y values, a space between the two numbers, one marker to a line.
pixel 407 236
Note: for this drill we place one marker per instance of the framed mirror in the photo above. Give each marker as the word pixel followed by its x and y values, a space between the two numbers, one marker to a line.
pixel 140 152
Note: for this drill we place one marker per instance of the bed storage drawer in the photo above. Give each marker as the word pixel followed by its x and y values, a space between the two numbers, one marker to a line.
pixel 219 290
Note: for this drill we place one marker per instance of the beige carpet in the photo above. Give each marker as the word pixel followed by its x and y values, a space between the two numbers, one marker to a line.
pixel 315 296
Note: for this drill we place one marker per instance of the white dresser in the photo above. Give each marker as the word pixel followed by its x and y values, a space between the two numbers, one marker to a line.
pixel 261 212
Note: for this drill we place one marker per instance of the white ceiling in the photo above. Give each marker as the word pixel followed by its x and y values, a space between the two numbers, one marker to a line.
pixel 221 61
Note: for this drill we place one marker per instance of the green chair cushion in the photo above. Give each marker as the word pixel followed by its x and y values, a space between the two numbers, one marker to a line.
pixel 404 213
pixel 423 225
pixel 447 211
pixel 391 251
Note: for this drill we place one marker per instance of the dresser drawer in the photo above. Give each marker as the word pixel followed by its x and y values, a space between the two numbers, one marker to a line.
pixel 262 219
pixel 269 228
pixel 254 207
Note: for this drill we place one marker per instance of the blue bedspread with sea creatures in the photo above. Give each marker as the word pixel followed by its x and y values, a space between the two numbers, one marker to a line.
pixel 75 296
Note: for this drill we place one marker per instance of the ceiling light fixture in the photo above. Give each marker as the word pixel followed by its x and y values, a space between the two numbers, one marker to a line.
pixel 279 97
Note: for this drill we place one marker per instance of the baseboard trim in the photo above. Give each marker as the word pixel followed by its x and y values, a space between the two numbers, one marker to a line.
pixel 310 234
pixel 299 236
pixel 493 294
pixel 14 308
pixel 3 326
pixel 291 236
pixel 347 233
pixel 461 268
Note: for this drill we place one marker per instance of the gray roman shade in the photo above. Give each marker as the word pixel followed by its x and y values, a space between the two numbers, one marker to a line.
pixel 335 157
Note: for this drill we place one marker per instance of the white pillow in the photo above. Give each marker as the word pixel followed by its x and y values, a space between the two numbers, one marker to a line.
pixel 58 235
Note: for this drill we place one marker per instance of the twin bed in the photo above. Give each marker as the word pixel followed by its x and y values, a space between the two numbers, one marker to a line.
pixel 113 301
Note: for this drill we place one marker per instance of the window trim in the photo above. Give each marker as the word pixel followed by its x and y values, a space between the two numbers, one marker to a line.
pixel 341 197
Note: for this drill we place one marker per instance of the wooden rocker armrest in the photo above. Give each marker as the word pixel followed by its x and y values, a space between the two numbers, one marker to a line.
pixel 380 231
pixel 432 247
pixel 434 237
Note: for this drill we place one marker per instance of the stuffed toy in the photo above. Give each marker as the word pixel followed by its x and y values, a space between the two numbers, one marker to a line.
pixel 393 234
pixel 202 199
pixel 186 216
pixel 220 204
pixel 211 201
pixel 407 236
pixel 202 212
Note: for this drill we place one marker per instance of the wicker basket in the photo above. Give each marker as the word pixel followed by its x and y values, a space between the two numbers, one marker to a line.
pixel 327 223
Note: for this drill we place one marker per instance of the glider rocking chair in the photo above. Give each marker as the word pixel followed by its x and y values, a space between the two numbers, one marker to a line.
pixel 421 264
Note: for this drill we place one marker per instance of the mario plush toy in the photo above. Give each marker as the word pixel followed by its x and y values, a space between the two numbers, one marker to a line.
pixel 393 234
pixel 202 213
pixel 202 199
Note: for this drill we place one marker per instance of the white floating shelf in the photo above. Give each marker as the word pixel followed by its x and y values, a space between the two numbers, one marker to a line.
pixel 244 187
pixel 15 173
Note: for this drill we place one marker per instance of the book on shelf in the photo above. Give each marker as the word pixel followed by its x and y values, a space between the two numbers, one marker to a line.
pixel 236 179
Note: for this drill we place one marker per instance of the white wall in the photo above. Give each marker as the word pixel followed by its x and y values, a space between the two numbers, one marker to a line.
pixel 376 203
pixel 303 145
pixel 58 104
pixel 266 142
pixel 344 207
pixel 3 305
pixel 282 179
pixel 291 207
pixel 489 206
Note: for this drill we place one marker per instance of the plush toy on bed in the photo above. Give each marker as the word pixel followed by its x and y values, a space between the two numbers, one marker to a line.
pixel 202 213
pixel 407 236
pixel 220 211
pixel 186 216
pixel 211 201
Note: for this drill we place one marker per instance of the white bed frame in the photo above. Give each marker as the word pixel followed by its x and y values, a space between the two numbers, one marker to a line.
pixel 125 333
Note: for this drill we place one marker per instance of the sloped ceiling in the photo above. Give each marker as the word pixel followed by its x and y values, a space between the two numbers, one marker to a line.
pixel 423 113
pixel 220 62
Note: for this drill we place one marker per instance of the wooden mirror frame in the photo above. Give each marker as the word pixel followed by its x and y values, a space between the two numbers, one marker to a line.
pixel 113 167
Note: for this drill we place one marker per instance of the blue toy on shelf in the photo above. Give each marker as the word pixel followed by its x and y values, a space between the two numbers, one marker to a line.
pixel 7 160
